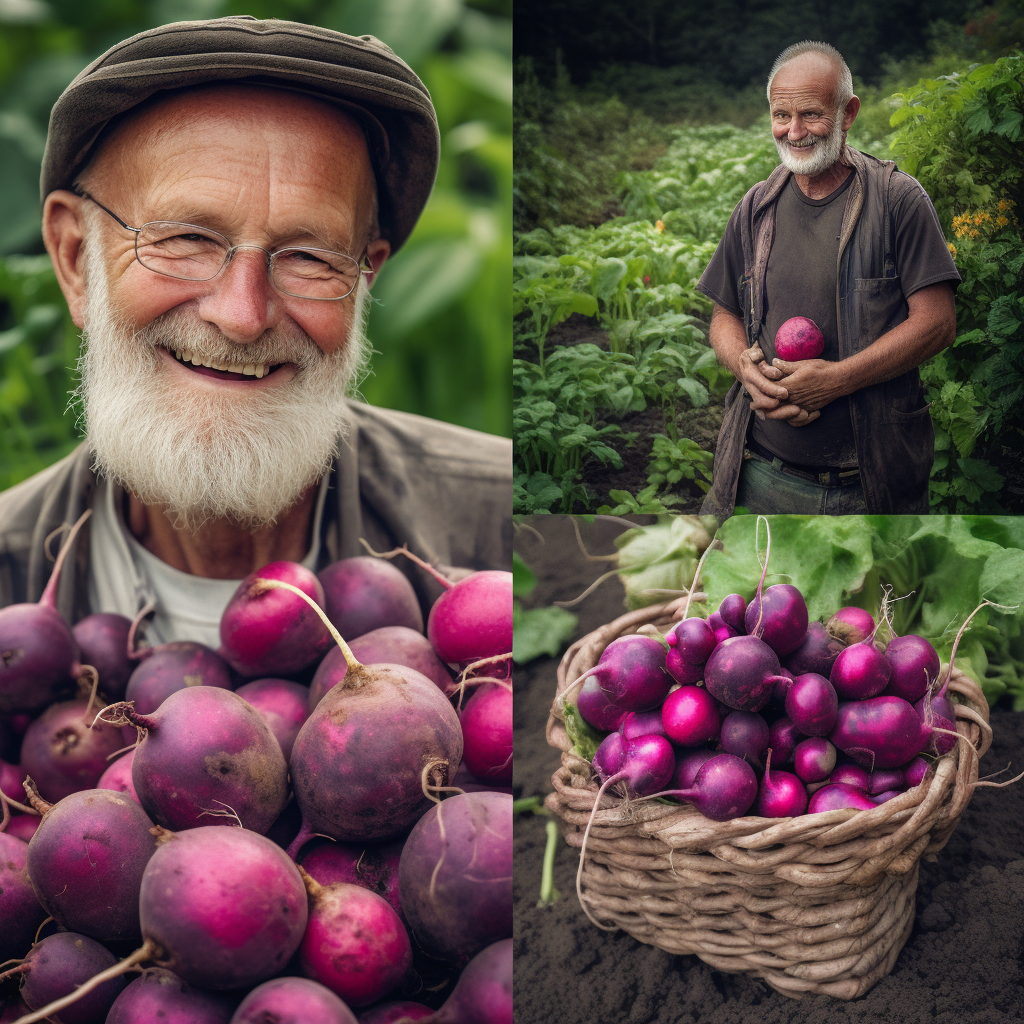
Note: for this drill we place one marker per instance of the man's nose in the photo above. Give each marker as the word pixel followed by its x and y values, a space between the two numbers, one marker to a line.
pixel 242 302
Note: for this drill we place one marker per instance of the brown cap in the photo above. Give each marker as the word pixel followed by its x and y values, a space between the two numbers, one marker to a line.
pixel 359 73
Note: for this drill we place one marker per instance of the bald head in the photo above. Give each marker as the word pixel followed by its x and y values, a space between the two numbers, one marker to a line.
pixel 813 61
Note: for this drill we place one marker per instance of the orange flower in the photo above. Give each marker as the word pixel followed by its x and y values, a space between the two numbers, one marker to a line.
pixel 659 225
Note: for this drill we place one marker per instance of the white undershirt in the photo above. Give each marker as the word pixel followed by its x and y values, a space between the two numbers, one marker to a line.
pixel 124 576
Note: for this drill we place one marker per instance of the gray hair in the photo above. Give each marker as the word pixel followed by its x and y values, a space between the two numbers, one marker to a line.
pixel 844 80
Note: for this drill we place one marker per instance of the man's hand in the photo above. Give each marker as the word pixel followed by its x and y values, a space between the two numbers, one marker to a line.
pixel 811 383
pixel 783 408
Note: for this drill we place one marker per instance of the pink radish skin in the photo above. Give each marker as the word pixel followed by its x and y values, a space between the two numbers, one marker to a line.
pixel 20 911
pixel 814 759
pixel 887 795
pixel 207 750
pixel 850 775
pixel 915 771
pixel 745 734
pixel 159 996
pixel 832 798
pixel 783 623
pixel 914 666
pixel 65 752
pixel 11 778
pixel 609 756
pixel 889 778
pixel 23 827
pixel 721 629
pixel 854 624
pixel 799 338
pixel 483 993
pixel 732 611
pixel 292 1001
pixel 472 619
pixel 688 764
pixel 812 704
pixel 597 708
pixel 725 787
pixel 362 594
pixel 171 667
pixel 816 653
pixel 783 736
pixel 647 765
pixel 742 672
pixel 781 795
pixel 389 645
pixel 56 965
pixel 938 713
pixel 455 876
pixel 880 732
pixel 690 645
pixel 354 943
pixel 859 672
pixel 102 639
pixel 273 632
pixel 642 723
pixel 631 670
pixel 690 716
pixel 487 734
pixel 282 704
pixel 118 776
pixel 372 866
pixel 395 1013
pixel 86 861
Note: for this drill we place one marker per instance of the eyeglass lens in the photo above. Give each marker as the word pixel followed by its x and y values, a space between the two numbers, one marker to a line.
pixel 191 253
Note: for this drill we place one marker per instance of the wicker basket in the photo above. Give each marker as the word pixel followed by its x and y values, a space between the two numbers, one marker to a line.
pixel 821 903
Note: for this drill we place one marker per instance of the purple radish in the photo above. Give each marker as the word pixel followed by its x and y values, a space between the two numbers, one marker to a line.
pixel 487 734
pixel 688 763
pixel 851 625
pixel 23 827
pixel 57 965
pixel 389 645
pixel 362 594
pixel 690 644
pixel 880 732
pixel 690 716
pixel 372 866
pixel 782 685
pixel 354 944
pixel 721 629
pixel 160 996
pixel 783 622
pixel 833 798
pixel 12 776
pixel 168 668
pixel 20 911
pixel 732 610
pixel 783 736
pixel 812 704
pixel 86 861
pixel 103 641
pixel 610 754
pixel 597 708
pixel 814 759
pixel 725 787
pixel 286 827
pixel 647 765
pixel 780 796
pixel 938 714
pixel 118 776
pixel 742 672
pixel 642 723
pixel 395 1013
pixel 483 993
pixel 885 778
pixel 745 734
pixel 913 665
pixel 816 653
pixel 207 757
pixel 64 751
pixel 859 672
pixel 915 771
pixel 292 1001
pixel 886 795
pixel 850 775
pixel 282 704
pixel 39 658
pixel 455 876
pixel 472 620
pixel 631 670
pixel 273 632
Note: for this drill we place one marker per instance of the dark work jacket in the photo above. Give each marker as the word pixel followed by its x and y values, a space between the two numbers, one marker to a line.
pixel 397 479
pixel 891 424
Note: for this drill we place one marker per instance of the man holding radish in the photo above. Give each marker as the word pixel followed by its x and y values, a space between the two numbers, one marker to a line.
pixel 844 251
pixel 219 198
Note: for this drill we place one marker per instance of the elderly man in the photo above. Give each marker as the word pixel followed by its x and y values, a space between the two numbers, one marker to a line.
pixel 218 199
pixel 853 244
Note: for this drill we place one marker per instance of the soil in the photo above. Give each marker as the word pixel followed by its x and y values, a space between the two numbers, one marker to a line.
pixel 961 965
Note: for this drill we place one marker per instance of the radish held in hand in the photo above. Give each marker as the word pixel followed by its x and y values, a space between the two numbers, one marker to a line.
pixel 799 338
pixel 292 1001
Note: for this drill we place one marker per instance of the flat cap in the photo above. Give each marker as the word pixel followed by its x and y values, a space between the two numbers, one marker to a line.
pixel 358 73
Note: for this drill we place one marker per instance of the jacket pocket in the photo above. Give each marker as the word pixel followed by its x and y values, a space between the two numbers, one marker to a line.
pixel 879 305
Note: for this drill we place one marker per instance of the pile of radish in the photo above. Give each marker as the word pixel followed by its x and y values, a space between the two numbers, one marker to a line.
pixel 289 828
pixel 755 710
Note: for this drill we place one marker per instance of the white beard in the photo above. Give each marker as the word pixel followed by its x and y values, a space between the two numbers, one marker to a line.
pixel 197 453
pixel 823 153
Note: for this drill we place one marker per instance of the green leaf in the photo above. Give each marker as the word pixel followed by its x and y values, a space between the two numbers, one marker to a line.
pixel 585 739
pixel 540 631
pixel 523 577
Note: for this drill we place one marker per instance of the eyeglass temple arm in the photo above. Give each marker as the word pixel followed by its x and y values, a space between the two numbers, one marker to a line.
pixel 79 191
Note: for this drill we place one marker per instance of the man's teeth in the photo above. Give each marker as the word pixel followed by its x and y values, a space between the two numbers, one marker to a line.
pixel 248 369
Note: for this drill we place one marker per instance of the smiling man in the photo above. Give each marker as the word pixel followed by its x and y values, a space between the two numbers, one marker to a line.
pixel 853 244
pixel 218 200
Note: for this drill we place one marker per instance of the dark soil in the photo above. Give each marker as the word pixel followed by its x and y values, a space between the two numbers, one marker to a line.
pixel 961 965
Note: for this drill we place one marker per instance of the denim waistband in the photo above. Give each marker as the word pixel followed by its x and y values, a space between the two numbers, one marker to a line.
pixel 823 476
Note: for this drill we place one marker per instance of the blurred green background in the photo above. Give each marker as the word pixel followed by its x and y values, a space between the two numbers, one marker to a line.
pixel 441 322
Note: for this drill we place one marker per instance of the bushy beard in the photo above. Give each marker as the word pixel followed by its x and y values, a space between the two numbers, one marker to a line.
pixel 824 152
pixel 205 453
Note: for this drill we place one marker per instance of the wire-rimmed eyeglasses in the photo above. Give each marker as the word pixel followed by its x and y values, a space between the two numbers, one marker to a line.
pixel 190 252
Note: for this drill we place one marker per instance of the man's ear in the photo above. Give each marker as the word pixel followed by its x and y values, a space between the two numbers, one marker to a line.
pixel 376 253
pixel 63 235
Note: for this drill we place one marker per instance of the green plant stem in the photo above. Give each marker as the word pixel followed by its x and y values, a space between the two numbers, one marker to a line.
pixel 548 893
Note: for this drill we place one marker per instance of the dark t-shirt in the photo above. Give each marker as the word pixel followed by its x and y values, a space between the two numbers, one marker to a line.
pixel 922 259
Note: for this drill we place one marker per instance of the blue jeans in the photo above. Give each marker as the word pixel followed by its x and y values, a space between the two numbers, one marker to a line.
pixel 767 488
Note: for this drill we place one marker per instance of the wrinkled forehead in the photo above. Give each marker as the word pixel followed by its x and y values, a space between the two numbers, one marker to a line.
pixel 810 74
